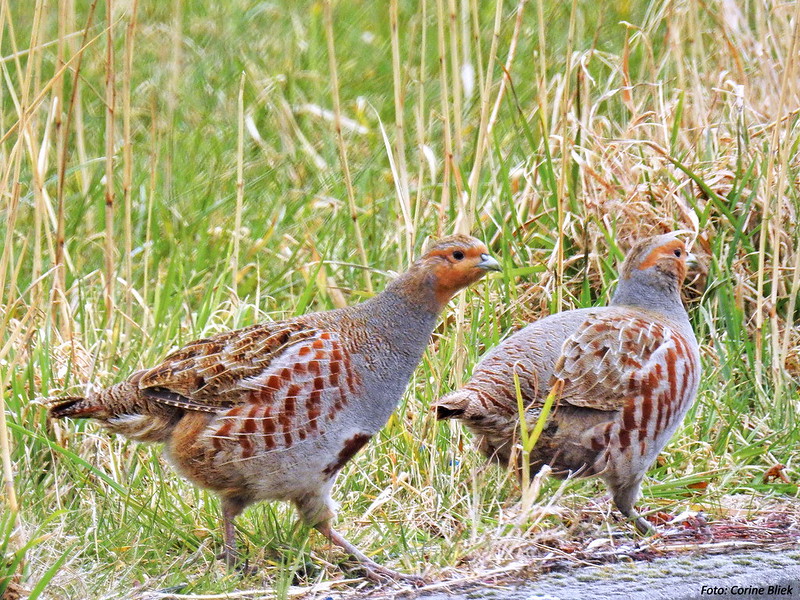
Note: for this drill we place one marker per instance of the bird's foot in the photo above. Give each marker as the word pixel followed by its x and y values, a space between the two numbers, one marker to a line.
pixel 234 563
pixel 380 574
pixel 644 527
pixel 373 571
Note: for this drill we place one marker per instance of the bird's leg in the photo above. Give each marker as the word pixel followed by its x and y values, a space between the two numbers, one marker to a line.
pixel 231 508
pixel 624 498
pixel 643 526
pixel 374 571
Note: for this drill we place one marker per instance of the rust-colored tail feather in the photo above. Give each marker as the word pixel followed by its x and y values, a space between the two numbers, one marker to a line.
pixel 75 407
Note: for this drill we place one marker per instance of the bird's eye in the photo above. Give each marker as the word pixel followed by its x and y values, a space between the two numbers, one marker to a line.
pixel 458 255
pixel 678 253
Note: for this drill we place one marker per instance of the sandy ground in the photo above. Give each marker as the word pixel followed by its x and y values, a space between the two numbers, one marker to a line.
pixel 740 575
pixel 692 557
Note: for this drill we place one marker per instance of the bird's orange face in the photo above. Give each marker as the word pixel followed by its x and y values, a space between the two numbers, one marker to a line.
pixel 457 262
pixel 668 256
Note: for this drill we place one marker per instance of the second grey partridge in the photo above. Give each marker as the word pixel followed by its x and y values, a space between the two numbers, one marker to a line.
pixel 275 410
pixel 629 372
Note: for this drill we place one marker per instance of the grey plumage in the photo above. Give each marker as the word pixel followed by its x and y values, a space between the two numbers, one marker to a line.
pixel 629 371
pixel 275 410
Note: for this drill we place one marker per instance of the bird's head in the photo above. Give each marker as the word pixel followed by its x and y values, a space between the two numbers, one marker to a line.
pixel 658 261
pixel 452 263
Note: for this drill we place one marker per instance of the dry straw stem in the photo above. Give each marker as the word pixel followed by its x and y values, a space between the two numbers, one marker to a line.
pixel 466 211
pixel 789 327
pixel 237 228
pixel 420 120
pixel 466 215
pixel 261 593
pixel 452 24
pixel 29 134
pixel 61 314
pixel 512 52
pixel 26 109
pixel 3 9
pixel 127 157
pixel 405 209
pixel 172 91
pixel 5 452
pixel 65 16
pixel 449 166
pixel 14 164
pixel 26 125
pixel 399 138
pixel 337 124
pixel 5 445
pixel 17 54
pixel 151 193
pixel 542 99
pixel 565 155
pixel 11 218
pixel 475 26
pixel 109 162
pixel 38 165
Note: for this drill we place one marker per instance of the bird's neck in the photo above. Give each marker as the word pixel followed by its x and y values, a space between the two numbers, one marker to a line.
pixel 665 299
pixel 415 290
pixel 403 316
pixel 409 303
pixel 392 333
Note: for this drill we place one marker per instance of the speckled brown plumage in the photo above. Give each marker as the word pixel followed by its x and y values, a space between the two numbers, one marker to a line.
pixel 627 373
pixel 275 410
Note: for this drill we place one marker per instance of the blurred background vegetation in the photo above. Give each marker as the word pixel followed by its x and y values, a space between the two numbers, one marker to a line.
pixel 173 169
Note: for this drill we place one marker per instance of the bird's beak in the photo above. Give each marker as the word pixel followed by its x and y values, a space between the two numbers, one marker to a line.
pixel 691 260
pixel 488 263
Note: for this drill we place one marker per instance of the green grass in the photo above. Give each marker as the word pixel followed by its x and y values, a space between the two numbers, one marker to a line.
pixel 635 128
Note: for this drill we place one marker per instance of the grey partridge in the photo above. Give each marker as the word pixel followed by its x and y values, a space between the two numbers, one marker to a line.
pixel 275 410
pixel 629 372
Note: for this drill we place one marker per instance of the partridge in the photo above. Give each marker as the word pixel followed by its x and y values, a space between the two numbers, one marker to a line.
pixel 275 410
pixel 629 373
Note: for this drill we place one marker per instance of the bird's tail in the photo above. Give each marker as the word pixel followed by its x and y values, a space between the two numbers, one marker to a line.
pixel 454 405
pixel 121 409
pixel 76 407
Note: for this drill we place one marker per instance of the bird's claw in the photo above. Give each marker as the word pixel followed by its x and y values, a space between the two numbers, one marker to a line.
pixel 380 574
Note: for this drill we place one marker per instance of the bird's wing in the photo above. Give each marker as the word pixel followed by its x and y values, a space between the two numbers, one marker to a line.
pixel 233 367
pixel 271 387
pixel 615 359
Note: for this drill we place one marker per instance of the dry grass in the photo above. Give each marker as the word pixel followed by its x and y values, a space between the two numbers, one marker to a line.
pixel 168 170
